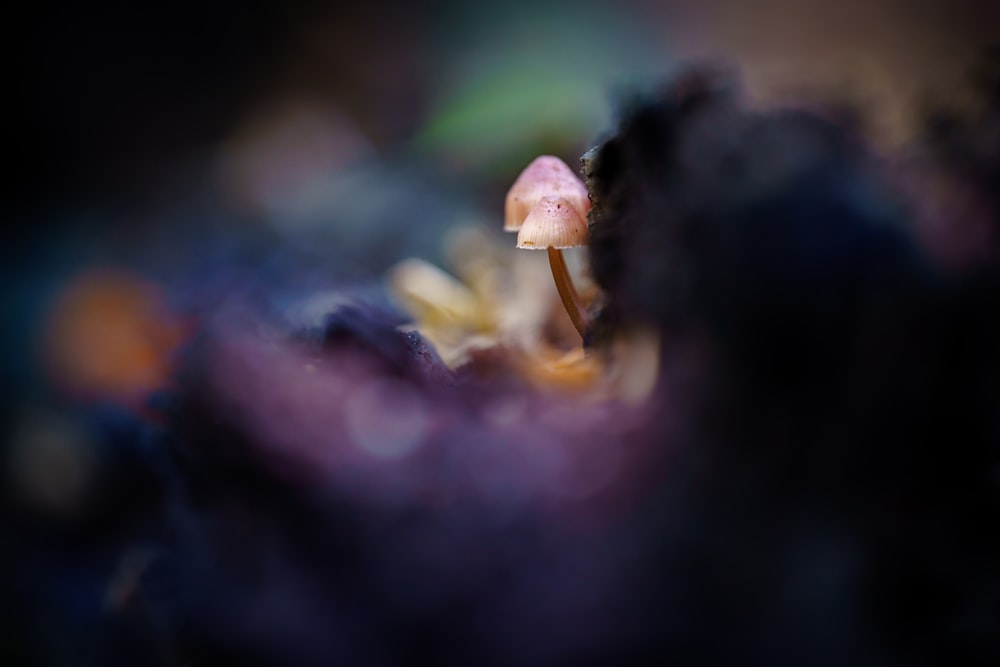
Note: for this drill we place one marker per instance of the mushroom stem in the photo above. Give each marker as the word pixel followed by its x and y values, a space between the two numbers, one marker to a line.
pixel 567 292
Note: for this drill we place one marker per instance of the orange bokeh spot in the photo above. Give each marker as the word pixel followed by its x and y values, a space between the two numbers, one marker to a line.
pixel 110 335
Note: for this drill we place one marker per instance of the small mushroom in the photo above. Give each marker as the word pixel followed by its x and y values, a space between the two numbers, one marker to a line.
pixel 546 176
pixel 554 223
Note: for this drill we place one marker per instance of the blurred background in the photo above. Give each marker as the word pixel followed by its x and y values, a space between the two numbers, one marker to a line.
pixel 179 140
pixel 161 154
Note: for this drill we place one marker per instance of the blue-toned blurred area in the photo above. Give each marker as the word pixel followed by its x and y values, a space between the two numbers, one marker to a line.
pixel 187 142
pixel 278 389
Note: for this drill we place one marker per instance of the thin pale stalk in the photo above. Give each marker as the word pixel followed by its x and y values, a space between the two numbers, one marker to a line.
pixel 567 292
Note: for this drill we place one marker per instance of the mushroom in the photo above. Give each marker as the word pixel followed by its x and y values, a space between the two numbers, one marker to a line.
pixel 550 177
pixel 554 223
pixel 546 176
